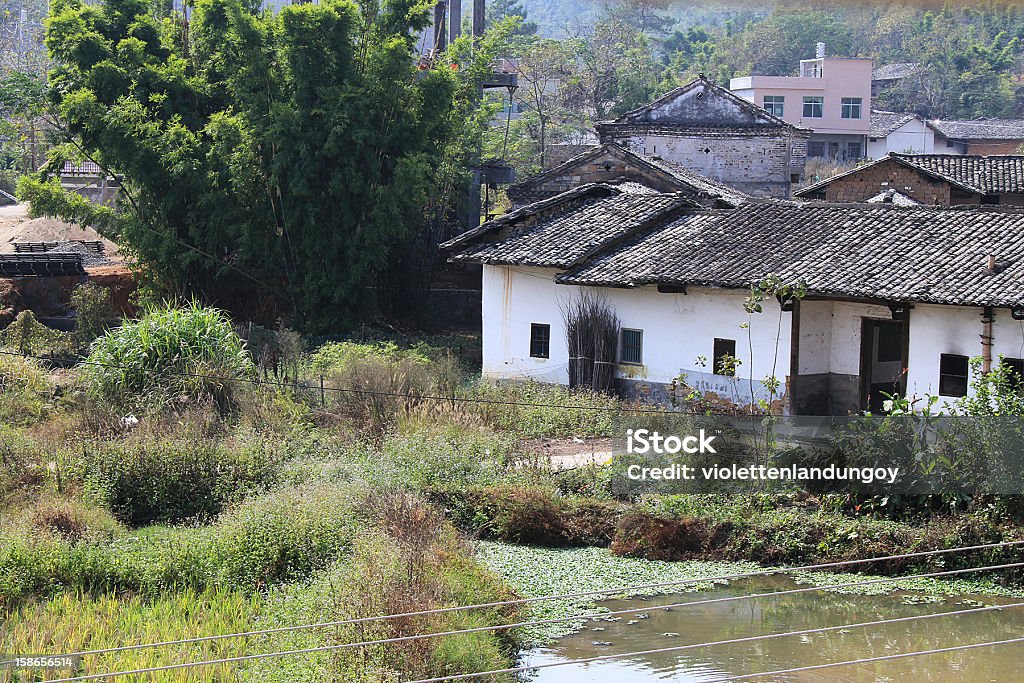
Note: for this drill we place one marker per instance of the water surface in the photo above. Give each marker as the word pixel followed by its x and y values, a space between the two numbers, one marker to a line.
pixel 741 618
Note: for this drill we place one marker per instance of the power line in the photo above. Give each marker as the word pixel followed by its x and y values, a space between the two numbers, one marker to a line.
pixel 398 639
pixel 731 641
pixel 622 590
pixel 367 392
pixel 868 660
pixel 331 648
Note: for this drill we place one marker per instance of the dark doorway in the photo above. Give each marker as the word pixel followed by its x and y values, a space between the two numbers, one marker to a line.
pixel 882 362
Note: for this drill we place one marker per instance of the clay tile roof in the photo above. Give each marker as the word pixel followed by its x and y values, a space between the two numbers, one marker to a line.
pixel 895 254
pixel 983 174
pixel 978 174
pixel 885 122
pixel 981 129
pixel 684 179
pixel 560 231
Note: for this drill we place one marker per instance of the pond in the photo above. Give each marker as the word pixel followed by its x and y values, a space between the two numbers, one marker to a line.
pixel 759 616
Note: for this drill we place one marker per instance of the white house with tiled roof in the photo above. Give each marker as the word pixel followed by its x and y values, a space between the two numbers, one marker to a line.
pixel 897 299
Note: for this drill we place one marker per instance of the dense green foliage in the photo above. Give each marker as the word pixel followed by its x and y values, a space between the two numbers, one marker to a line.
pixel 191 350
pixel 300 153
pixel 591 61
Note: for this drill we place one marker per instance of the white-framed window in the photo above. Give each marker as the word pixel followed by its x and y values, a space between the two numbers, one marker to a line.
pixel 851 107
pixel 775 104
pixel 814 107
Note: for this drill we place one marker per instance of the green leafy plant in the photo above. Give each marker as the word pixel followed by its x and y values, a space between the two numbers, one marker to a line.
pixel 188 351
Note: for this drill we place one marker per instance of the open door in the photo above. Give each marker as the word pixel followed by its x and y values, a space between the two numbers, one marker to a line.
pixel 883 358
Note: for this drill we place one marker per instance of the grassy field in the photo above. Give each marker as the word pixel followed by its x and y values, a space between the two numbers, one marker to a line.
pixel 136 510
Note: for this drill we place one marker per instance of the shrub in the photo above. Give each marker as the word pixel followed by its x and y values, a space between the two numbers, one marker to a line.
pixel 532 409
pixel 25 391
pixel 655 538
pixel 180 352
pixel 71 519
pixel 171 481
pixel 91 304
pixel 285 534
pixel 28 336
pixel 342 355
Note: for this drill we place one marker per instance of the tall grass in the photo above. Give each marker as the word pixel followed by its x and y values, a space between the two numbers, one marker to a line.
pixel 75 621
pixel 26 392
pixel 171 351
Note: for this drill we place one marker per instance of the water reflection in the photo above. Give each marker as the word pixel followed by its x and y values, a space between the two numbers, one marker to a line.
pixel 722 621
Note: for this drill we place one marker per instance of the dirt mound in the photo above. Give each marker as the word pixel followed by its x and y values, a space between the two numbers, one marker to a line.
pixel 18 228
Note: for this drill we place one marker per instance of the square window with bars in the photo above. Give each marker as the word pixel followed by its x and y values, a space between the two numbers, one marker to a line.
pixel 540 340
pixel 851 107
pixel 775 104
pixel 952 375
pixel 1015 372
pixel 814 107
pixel 631 347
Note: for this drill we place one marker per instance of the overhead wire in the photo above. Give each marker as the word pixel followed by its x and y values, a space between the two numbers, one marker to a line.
pixel 620 590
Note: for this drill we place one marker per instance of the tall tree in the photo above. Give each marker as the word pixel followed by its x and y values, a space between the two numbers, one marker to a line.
pixel 300 152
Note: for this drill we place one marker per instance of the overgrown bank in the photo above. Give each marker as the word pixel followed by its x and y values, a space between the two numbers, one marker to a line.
pixel 158 494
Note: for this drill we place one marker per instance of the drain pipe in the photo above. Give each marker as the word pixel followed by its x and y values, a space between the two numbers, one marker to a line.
pixel 987 316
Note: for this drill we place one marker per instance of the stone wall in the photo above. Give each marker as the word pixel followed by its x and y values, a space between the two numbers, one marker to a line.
pixel 758 162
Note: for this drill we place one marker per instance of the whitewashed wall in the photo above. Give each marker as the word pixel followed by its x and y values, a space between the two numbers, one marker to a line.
pixel 677 329
pixel 914 135
pixel 935 330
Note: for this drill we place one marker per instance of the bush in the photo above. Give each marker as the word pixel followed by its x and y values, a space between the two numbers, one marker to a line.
pixel 285 534
pixel 177 352
pixel 25 391
pixel 171 481
pixel 546 410
pixel 655 538
pixel 341 355
pixel 91 304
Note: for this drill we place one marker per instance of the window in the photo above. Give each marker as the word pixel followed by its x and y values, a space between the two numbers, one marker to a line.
pixel 815 149
pixel 631 347
pixel 540 340
pixel 989 199
pixel 1015 366
pixel 853 151
pixel 813 107
pixel 952 375
pixel 725 357
pixel 850 107
pixel 774 104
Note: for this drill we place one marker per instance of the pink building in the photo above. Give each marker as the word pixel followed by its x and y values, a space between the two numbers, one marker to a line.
pixel 831 96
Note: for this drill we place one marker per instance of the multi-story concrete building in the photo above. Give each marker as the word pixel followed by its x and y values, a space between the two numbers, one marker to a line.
pixel 831 96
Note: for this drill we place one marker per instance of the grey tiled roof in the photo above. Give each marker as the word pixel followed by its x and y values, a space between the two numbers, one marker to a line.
pixel 979 174
pixel 885 122
pixel 892 72
pixel 893 197
pixel 560 231
pixel 682 177
pixel 922 255
pixel 981 129
pixel 984 174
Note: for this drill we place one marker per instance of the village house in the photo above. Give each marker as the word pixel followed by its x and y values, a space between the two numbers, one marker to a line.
pixel 706 129
pixel 612 163
pixel 831 97
pixel 899 132
pixel 979 136
pixel 897 299
pixel 931 179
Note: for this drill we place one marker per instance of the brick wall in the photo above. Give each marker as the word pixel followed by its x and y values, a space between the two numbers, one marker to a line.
pixel 994 147
pixel 888 175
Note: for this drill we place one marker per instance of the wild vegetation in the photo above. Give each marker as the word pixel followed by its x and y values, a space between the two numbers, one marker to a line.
pixel 169 510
